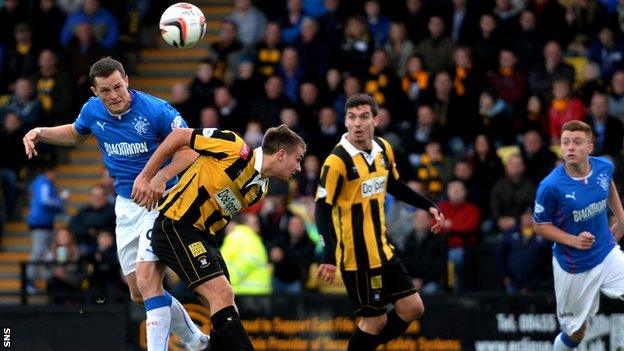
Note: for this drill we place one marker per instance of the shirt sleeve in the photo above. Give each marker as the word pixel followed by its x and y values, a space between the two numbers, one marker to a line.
pixel 545 204
pixel 83 121
pixel 217 143
pixel 170 120
pixel 330 181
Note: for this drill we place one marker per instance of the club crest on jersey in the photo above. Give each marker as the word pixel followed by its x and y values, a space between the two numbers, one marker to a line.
pixel 603 181
pixel 140 125
pixel 177 122
pixel 244 151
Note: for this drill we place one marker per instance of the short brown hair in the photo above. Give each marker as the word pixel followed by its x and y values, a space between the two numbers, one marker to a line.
pixel 104 67
pixel 281 137
pixel 361 100
pixel 577 126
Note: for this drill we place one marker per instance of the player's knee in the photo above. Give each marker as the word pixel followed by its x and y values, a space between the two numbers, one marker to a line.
pixel 373 325
pixel 413 312
pixel 136 298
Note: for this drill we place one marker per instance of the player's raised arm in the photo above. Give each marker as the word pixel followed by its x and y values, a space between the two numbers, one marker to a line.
pixel 65 135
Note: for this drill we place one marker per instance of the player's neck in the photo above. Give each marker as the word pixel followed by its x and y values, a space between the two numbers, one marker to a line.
pixel 365 146
pixel 579 170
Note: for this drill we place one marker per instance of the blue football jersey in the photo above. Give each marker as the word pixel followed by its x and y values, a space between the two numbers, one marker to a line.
pixel 577 205
pixel 129 140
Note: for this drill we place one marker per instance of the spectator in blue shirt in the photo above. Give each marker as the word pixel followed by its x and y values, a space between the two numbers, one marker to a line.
pixel 105 26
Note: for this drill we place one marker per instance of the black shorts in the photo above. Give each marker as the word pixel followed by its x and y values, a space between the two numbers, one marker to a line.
pixel 370 291
pixel 191 253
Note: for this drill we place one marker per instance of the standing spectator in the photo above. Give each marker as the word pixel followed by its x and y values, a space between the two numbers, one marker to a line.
pixel 461 227
pixel 106 27
pixel 250 22
pixel 608 130
pixel 537 157
pixel 563 108
pixel 226 52
pixel 25 104
pixel 44 205
pixel 22 56
pixel 47 21
pixel 378 24
pixel 552 68
pixel 105 278
pixel 97 215
pixel 424 255
pixel 11 163
pixel 523 257
pixel 436 49
pixel 246 257
pixel 511 195
pixel 291 255
pixel 608 53
pixel 54 90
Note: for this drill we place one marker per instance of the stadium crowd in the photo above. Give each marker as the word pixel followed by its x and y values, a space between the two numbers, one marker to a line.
pixel 473 95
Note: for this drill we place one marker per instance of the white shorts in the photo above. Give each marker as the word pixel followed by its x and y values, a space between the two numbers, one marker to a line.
pixel 134 227
pixel 578 295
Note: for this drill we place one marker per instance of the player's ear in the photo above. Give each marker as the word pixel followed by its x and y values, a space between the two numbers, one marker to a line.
pixel 126 80
pixel 94 91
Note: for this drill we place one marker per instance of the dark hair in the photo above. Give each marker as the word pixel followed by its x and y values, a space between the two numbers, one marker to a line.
pixel 281 137
pixel 361 100
pixel 104 67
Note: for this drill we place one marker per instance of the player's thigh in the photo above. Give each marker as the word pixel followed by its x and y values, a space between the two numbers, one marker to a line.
pixel 577 296
pixel 410 307
pixel 192 254
pixel 126 236
pixel 613 274
pixel 399 289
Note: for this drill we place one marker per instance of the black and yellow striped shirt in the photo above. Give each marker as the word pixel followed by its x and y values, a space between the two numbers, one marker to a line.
pixel 222 181
pixel 354 184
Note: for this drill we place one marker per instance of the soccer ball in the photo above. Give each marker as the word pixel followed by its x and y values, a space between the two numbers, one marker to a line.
pixel 182 25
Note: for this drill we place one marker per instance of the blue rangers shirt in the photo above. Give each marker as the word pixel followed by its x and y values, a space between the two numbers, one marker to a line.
pixel 129 140
pixel 574 206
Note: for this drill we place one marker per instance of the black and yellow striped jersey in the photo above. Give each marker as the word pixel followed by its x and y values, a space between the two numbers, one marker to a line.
pixel 223 180
pixel 354 183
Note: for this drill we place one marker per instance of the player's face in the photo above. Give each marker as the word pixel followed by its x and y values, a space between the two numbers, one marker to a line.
pixel 113 91
pixel 290 163
pixel 576 146
pixel 361 124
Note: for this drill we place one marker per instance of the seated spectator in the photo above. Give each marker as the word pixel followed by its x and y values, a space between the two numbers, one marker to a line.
pixel 488 169
pixel 308 178
pixel 25 104
pixel 616 96
pixel 47 20
pixel 563 108
pixel 246 85
pixel 524 258
pixel 382 84
pixel 107 27
pixel 250 22
pixel 433 169
pixel 231 114
pixel 291 255
pixel 309 105
pixel 537 157
pixel 378 24
pixel 529 41
pixel 209 118
pixel 314 51
pixel 66 276
pixel 509 82
pixel 511 195
pixel 253 134
pixel 291 22
pixel 82 51
pixel 356 46
pixel 495 118
pixel 425 130
pixel 351 85
pixel 246 257
pixel 415 81
pixel 108 184
pixel 11 163
pixel 54 90
pixel 608 130
pixel 180 99
pixel 12 12
pixel 400 216
pixel 267 106
pixel 104 271
pixel 94 217
pixel 226 52
pixel 329 132
pixel 269 50
pixel 461 227
pixel 291 74
pixel 424 255
pixel 488 43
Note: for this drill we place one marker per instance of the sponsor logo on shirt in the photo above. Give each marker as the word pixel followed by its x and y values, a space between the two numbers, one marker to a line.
pixel 125 149
pixel 373 186
pixel 244 151
pixel 228 201
pixel 590 211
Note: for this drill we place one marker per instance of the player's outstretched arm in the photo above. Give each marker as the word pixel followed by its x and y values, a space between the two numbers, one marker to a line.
pixel 615 205
pixel 176 140
pixel 403 192
pixel 65 135
pixel 583 241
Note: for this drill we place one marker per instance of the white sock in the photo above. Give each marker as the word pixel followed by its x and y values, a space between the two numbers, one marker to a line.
pixel 559 345
pixel 158 312
pixel 183 326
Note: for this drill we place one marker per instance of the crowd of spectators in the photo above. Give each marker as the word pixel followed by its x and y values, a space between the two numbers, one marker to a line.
pixel 472 97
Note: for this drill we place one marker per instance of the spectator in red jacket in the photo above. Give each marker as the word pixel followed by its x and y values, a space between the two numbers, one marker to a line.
pixel 563 108
pixel 461 227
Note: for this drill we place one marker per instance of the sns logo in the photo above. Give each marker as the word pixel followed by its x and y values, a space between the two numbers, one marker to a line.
pixel 6 341
pixel 373 186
